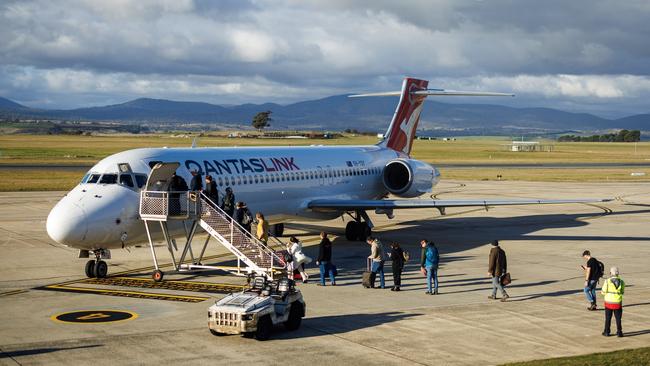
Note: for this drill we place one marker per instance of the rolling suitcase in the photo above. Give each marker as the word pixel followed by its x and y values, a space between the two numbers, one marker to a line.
pixel 366 280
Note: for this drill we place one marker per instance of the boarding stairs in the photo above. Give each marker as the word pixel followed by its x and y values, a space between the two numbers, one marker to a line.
pixel 175 210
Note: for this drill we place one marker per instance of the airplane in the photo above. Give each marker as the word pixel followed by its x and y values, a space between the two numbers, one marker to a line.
pixel 285 183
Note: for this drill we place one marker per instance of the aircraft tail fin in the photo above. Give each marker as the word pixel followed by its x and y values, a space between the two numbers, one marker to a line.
pixel 401 131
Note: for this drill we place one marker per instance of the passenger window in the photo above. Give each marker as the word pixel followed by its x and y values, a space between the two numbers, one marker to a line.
pixel 245 179
pixel 108 179
pixel 220 181
pixel 255 178
pixel 126 180
pixel 266 178
pixel 141 180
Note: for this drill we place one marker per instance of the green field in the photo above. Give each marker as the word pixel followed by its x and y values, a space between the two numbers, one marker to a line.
pixel 627 357
pixel 87 150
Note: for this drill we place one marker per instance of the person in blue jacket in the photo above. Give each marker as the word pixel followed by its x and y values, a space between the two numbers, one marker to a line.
pixel 430 258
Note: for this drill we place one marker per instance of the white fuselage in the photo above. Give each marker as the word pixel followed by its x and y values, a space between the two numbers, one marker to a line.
pixel 277 181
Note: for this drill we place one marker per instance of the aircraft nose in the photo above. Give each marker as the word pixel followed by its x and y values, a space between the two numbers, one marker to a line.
pixel 67 223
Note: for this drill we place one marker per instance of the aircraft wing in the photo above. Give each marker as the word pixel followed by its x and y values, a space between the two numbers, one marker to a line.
pixel 351 205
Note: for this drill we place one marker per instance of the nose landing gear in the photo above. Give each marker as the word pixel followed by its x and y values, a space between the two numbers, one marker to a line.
pixel 97 268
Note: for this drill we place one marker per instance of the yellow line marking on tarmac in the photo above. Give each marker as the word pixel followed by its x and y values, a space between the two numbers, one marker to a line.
pixel 192 286
pixel 122 293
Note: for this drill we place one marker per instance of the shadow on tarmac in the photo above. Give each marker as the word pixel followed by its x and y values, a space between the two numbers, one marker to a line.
pixel 637 333
pixel 38 351
pixel 338 324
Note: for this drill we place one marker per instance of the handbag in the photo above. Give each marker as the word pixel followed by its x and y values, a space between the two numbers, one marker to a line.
pixel 506 279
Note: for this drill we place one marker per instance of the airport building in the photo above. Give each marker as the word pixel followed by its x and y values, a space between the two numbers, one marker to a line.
pixel 528 146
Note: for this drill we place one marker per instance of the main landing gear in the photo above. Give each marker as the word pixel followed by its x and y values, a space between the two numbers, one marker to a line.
pixel 357 229
pixel 278 230
pixel 96 268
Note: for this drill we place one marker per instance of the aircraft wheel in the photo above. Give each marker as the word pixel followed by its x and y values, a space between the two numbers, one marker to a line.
pixel 157 275
pixel 364 231
pixel 264 328
pixel 101 269
pixel 278 229
pixel 90 269
pixel 351 232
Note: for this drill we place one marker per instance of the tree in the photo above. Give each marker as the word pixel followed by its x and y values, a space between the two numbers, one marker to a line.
pixel 262 120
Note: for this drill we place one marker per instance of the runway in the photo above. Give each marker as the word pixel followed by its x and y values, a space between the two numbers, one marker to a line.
pixel 545 317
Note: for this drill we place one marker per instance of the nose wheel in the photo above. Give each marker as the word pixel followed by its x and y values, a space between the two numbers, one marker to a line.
pixel 96 269
pixel 90 269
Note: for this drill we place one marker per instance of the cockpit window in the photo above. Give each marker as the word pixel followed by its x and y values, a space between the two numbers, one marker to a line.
pixel 85 178
pixel 108 179
pixel 93 178
pixel 126 180
pixel 141 180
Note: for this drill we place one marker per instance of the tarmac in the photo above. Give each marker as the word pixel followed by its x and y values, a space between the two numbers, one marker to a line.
pixel 545 316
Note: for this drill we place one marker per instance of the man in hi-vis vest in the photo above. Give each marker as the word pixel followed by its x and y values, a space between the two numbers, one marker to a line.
pixel 613 290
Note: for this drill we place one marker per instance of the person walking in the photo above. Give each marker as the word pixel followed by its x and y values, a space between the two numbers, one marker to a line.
pixel 397 258
pixel 196 184
pixel 262 228
pixel 593 272
pixel 294 247
pixel 324 261
pixel 228 203
pixel 211 191
pixel 429 262
pixel 497 267
pixel 243 216
pixel 377 262
pixel 613 290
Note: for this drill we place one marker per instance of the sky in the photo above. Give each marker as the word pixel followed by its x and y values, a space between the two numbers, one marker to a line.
pixel 580 55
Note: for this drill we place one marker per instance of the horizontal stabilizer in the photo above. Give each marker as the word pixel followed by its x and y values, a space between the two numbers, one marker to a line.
pixel 436 92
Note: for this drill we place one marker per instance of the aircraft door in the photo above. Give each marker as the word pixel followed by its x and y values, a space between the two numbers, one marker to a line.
pixel 160 176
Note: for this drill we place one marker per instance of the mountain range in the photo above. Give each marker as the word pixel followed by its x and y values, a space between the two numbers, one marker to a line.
pixel 338 113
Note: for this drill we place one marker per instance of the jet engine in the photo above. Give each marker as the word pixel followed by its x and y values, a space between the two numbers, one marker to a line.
pixel 409 178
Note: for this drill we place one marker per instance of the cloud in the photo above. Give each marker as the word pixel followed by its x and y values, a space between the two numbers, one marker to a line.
pixel 82 50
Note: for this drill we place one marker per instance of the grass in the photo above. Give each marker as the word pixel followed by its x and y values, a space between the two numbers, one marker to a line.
pixel 87 150
pixel 39 180
pixel 549 175
pixel 627 357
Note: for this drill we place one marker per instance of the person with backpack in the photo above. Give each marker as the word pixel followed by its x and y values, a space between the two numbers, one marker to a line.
pixel 228 203
pixel 429 262
pixel 497 267
pixel 613 290
pixel 243 216
pixel 397 258
pixel 377 262
pixel 593 272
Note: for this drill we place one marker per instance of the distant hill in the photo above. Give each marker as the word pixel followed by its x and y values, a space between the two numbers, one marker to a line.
pixel 340 112
pixel 9 105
